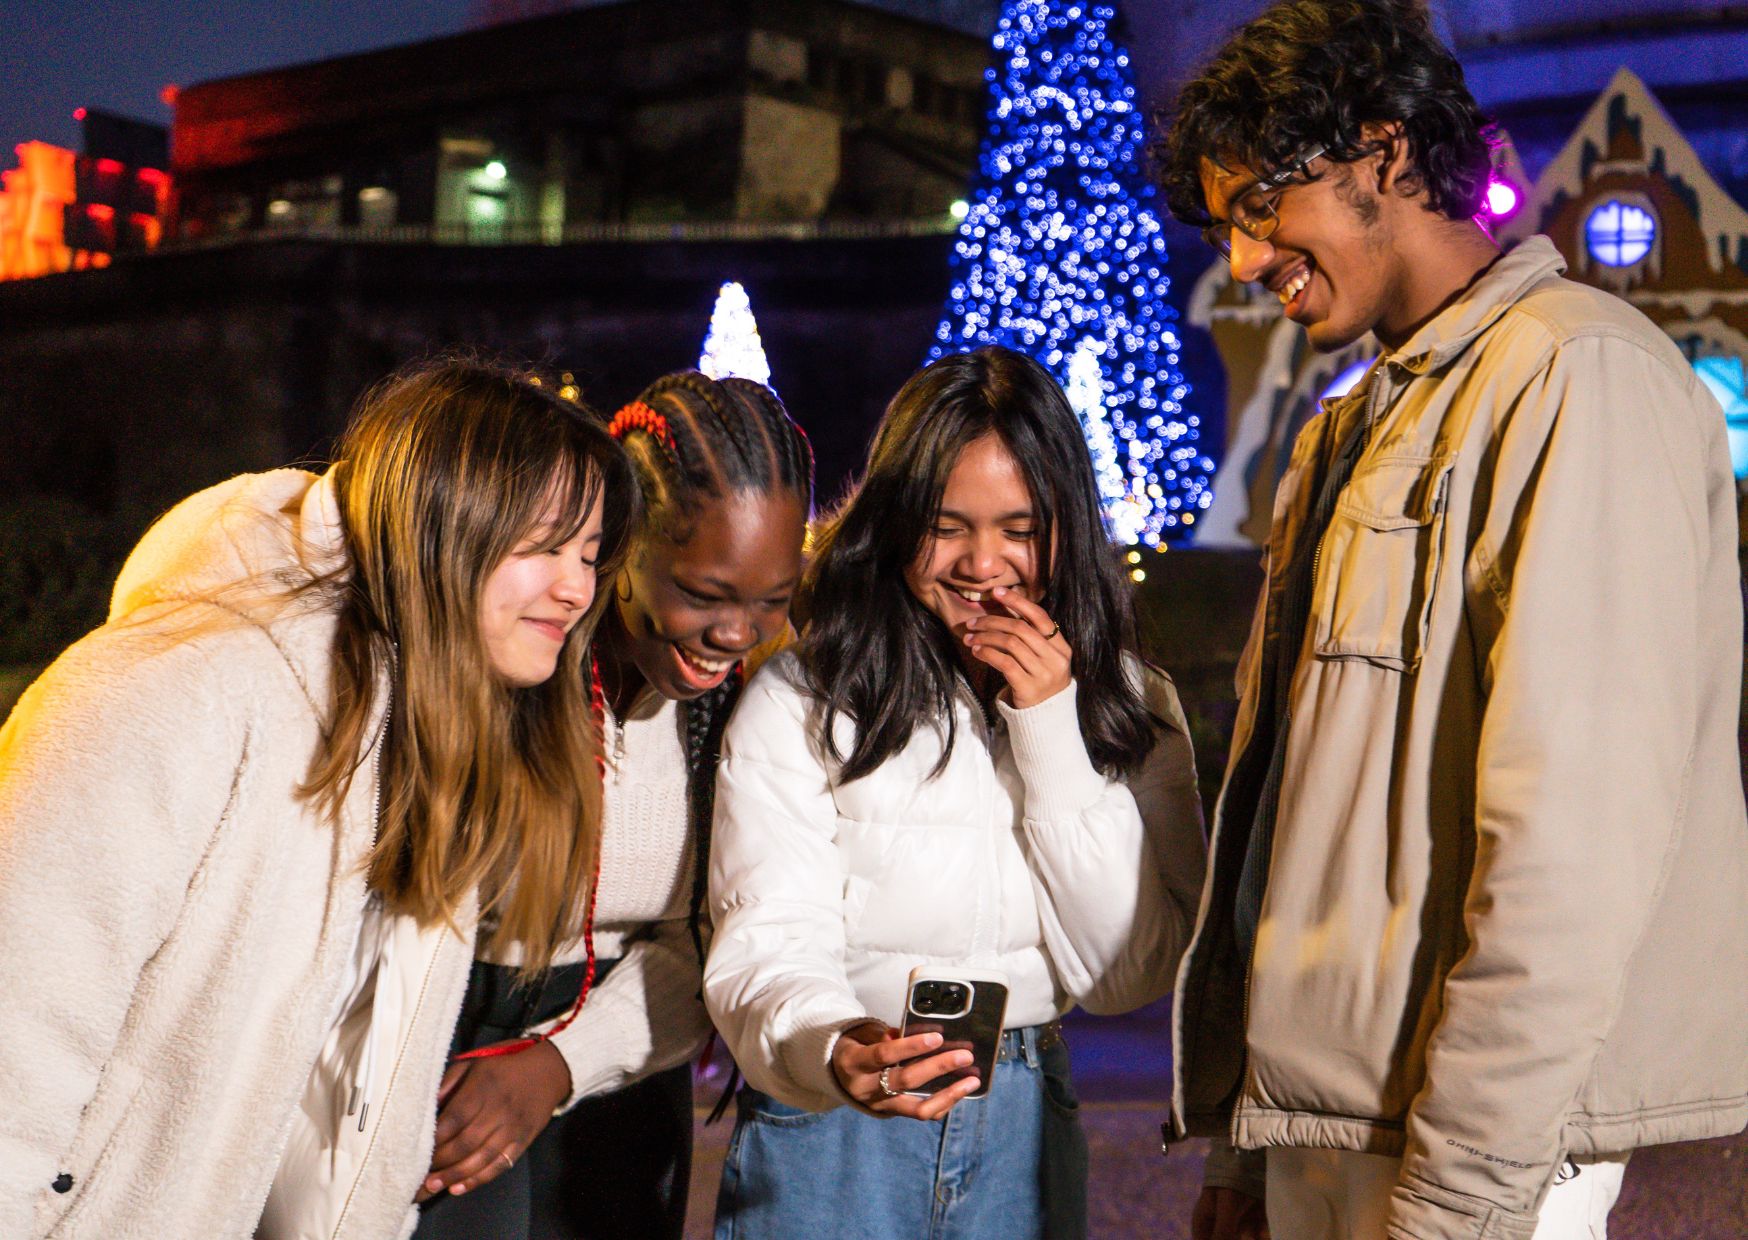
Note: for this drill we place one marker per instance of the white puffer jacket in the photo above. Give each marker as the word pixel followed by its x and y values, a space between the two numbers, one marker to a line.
pixel 1019 856
pixel 178 920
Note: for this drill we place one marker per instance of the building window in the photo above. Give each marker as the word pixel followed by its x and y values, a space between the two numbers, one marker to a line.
pixel 1724 376
pixel 377 206
pixel 1618 234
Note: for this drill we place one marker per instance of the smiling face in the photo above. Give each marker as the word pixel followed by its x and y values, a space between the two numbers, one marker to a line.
pixel 985 535
pixel 1330 259
pixel 700 604
pixel 535 597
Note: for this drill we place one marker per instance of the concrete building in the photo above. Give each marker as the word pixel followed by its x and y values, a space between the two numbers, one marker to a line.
pixel 645 111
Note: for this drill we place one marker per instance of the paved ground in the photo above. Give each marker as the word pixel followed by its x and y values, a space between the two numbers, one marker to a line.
pixel 1697 1191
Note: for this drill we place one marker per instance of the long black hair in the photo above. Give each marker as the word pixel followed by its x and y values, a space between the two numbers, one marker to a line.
pixel 873 653
pixel 690 437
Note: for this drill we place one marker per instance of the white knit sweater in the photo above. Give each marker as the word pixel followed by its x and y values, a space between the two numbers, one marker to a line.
pixel 646 1016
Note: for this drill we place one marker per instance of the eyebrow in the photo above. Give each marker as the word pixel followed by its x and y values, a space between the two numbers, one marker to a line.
pixel 1018 514
pixel 717 583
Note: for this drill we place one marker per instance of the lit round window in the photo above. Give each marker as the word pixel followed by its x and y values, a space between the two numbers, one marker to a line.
pixel 1619 234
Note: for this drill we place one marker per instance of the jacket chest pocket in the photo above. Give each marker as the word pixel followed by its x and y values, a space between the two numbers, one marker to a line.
pixel 1378 566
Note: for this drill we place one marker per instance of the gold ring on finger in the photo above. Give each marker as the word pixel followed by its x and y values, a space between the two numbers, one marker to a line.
pixel 1054 630
pixel 509 1163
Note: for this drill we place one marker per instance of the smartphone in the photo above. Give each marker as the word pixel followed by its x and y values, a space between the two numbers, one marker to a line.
pixel 966 1007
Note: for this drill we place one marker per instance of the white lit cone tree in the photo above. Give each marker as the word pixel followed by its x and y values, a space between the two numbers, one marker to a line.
pixel 732 345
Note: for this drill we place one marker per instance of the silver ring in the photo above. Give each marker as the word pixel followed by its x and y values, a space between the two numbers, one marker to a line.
pixel 886 1085
pixel 509 1163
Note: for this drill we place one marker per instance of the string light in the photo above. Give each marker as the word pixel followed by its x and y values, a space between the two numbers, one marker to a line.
pixel 732 345
pixel 1060 256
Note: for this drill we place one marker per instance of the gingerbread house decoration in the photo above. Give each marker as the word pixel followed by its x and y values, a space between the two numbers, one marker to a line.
pixel 1635 211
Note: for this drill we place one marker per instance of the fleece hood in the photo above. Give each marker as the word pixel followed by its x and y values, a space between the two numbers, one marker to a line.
pixel 270 529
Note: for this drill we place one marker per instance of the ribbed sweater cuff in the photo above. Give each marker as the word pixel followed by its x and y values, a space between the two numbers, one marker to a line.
pixel 598 1026
pixel 807 1057
pixel 1050 753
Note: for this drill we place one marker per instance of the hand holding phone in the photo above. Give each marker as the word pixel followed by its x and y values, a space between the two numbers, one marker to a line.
pixel 876 1066
pixel 966 1008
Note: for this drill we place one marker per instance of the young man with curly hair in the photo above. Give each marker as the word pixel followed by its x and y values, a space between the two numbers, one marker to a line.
pixel 1476 923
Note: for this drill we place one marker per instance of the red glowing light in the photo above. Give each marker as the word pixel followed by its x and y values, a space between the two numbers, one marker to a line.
pixel 97 211
pixel 169 94
pixel 155 175
pixel 1502 199
pixel 78 114
pixel 110 167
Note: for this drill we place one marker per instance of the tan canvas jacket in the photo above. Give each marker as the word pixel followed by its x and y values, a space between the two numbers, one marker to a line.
pixel 1506 917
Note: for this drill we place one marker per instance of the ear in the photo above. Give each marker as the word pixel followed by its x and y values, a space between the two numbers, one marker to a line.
pixel 1392 167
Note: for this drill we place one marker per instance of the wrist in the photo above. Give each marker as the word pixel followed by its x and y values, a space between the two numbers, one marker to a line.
pixel 555 1073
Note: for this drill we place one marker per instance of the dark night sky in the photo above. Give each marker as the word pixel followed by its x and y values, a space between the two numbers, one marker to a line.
pixel 56 55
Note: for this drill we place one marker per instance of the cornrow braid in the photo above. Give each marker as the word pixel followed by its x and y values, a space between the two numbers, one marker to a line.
pixel 706 717
pixel 691 436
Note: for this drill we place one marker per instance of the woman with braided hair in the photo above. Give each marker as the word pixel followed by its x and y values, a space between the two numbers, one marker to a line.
pixel 596 1103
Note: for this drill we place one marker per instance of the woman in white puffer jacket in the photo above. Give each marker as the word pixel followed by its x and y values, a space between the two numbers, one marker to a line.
pixel 244 824
pixel 1005 787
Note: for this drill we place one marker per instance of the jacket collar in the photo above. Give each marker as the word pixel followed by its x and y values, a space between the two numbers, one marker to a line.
pixel 1499 287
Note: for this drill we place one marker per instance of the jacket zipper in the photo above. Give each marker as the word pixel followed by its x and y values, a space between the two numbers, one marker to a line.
pixel 375 834
pixel 355 1103
pixel 1250 962
pixel 393 1076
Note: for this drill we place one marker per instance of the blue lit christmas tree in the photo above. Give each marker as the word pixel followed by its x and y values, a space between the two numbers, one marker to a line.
pixel 1061 257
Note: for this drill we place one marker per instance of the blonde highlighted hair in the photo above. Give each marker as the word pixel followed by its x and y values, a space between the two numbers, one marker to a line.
pixel 444 472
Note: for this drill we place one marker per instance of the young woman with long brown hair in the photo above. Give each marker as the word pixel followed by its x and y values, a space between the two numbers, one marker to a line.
pixel 728 479
pixel 246 827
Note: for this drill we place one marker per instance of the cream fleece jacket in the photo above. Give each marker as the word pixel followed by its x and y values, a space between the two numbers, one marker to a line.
pixel 178 918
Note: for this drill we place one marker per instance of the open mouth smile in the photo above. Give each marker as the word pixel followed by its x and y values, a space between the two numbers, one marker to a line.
pixel 1290 286
pixel 701 671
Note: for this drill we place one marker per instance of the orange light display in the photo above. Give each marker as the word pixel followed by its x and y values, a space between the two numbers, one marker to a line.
pixel 33 207
pixel 65 212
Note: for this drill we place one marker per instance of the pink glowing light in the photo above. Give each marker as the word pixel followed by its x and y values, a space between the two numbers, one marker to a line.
pixel 1502 199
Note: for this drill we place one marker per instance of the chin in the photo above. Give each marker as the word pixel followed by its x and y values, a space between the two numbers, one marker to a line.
pixel 1327 336
pixel 528 675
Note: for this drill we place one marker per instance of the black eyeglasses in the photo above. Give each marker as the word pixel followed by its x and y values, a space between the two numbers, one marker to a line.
pixel 1253 211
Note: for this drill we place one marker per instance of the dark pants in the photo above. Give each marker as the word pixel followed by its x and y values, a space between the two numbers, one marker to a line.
pixel 615 1167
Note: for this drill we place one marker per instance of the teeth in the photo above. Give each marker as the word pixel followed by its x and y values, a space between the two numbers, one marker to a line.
pixel 972 596
pixel 1293 287
pixel 708 666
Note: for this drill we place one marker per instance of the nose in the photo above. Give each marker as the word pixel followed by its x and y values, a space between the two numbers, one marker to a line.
pixel 574 586
pixel 983 556
pixel 1250 257
pixel 732 631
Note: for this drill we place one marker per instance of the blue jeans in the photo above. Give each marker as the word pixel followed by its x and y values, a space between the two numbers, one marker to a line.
pixel 1011 1166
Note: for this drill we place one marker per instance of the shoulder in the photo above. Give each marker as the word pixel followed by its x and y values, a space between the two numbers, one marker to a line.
pixel 776 698
pixel 203 674
pixel 1158 693
pixel 1563 318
